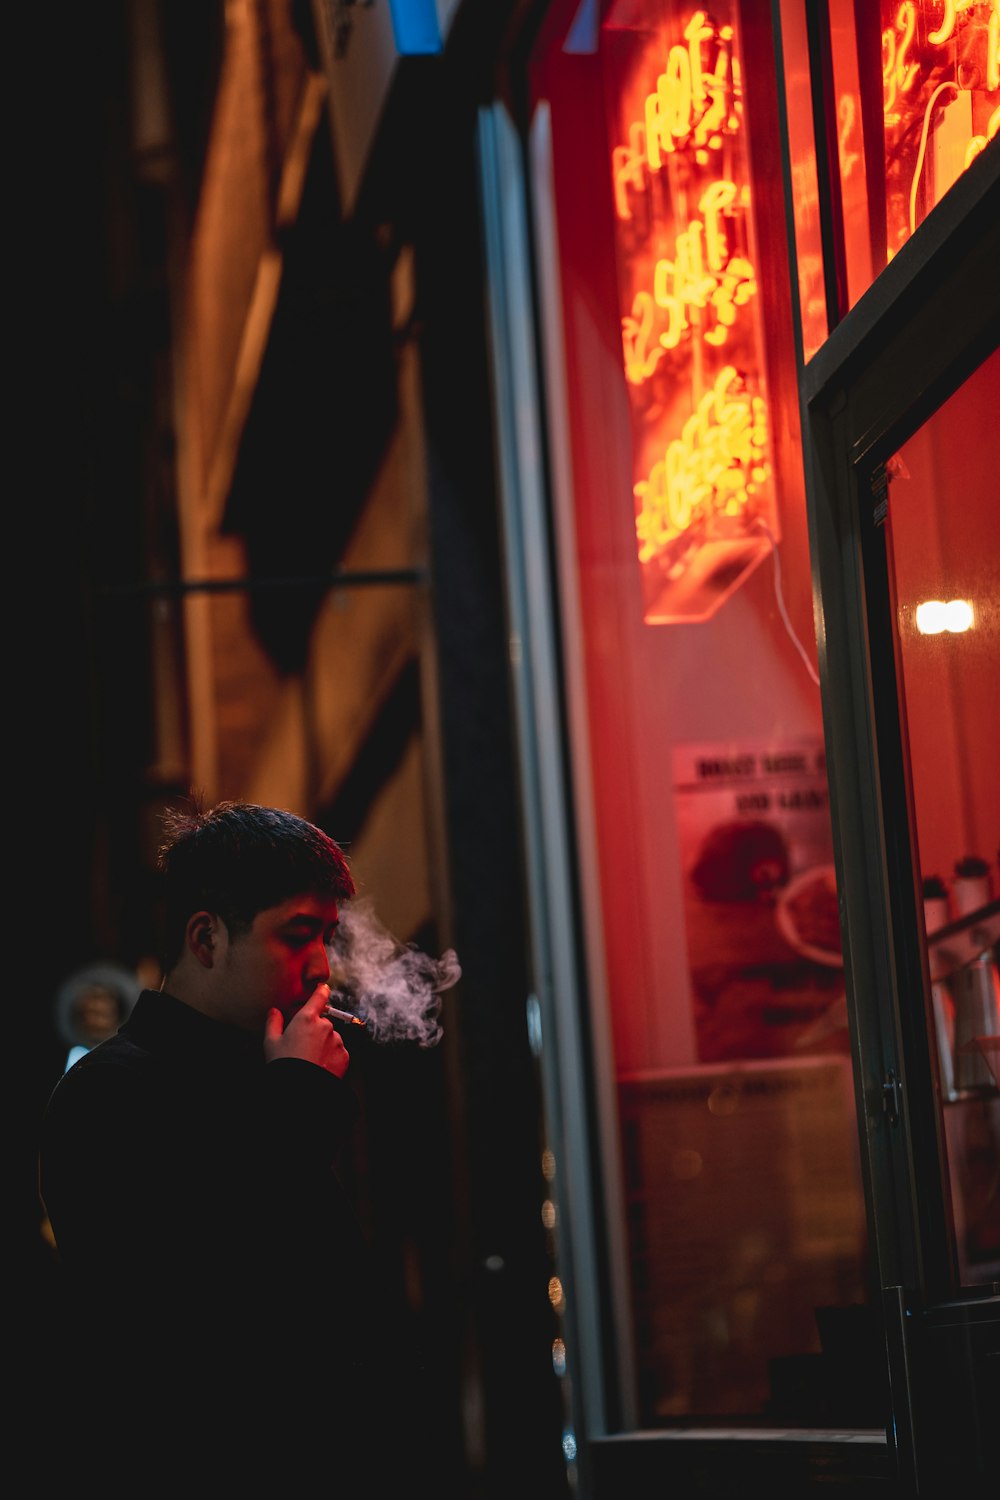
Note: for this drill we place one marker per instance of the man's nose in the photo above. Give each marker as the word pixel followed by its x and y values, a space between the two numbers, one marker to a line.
pixel 319 963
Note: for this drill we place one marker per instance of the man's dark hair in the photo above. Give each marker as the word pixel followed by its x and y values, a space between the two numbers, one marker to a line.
pixel 236 859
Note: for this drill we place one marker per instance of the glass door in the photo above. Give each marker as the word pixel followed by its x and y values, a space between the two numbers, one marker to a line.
pixel 901 422
pixel 932 575
pixel 942 536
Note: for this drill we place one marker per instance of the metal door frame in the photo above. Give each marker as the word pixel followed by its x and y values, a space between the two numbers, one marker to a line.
pixel 928 321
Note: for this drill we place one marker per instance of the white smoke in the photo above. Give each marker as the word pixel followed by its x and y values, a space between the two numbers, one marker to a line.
pixel 394 987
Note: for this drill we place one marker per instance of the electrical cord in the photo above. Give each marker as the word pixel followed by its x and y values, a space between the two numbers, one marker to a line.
pixel 779 596
pixel 915 184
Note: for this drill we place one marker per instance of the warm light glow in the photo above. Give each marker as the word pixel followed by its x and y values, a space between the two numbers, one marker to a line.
pixel 637 331
pixel 940 74
pixel 688 103
pixel 936 616
pixel 559 1356
pixel 709 470
pixel 947 26
pixel 703 275
pixel 556 1293
pixel 549 1214
pixel 846 119
pixel 978 143
pixel 693 106
pixel 691 334
pixel 898 73
pixel 627 168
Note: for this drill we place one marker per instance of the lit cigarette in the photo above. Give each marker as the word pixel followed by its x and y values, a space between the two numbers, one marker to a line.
pixel 333 1014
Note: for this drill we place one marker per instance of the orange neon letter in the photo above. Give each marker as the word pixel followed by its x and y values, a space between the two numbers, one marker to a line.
pixel 947 26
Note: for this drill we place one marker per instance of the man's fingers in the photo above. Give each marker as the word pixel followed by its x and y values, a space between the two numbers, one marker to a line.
pixel 274 1025
pixel 319 998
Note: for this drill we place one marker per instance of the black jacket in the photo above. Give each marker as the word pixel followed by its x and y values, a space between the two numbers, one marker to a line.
pixel 215 1268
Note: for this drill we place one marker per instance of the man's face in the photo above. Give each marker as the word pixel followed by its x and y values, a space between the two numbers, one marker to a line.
pixel 281 960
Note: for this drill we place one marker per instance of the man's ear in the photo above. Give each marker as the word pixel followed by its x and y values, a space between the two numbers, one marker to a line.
pixel 201 936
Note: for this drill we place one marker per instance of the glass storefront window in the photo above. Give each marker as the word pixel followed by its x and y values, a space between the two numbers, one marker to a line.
pixel 945 572
pixel 711 905
pixel 916 86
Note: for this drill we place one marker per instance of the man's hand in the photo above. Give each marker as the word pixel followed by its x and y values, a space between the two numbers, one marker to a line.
pixel 308 1034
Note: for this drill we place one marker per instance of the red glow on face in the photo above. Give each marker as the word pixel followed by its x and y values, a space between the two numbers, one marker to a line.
pixel 283 957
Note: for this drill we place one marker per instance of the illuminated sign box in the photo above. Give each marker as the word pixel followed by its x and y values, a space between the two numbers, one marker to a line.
pixel 692 341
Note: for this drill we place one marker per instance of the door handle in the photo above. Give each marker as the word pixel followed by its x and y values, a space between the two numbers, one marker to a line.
pixel 891 1097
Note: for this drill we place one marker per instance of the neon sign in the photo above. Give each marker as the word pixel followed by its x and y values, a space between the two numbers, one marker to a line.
pixel 710 471
pixel 702 275
pixel 691 333
pixel 940 100
pixel 691 108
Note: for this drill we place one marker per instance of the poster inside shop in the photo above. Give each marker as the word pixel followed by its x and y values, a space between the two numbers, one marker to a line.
pixel 760 894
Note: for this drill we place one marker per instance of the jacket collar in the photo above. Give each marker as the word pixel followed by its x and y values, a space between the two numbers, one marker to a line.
pixel 159 1021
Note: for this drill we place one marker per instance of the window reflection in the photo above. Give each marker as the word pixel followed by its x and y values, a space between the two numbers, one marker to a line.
pixel 712 918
